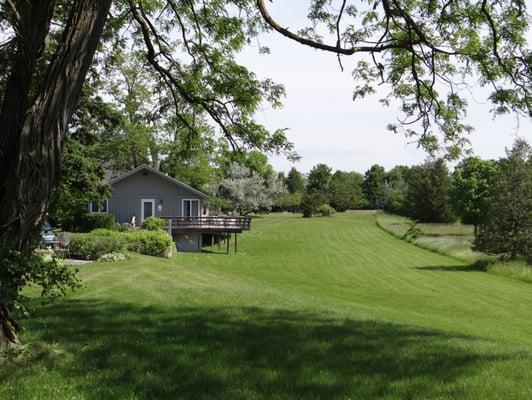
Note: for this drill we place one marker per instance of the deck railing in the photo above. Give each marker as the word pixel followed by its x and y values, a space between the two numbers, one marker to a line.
pixel 220 223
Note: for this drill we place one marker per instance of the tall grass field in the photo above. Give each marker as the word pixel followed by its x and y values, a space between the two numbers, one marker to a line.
pixel 320 308
pixel 454 240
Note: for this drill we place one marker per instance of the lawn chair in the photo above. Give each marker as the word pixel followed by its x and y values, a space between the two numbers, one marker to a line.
pixel 63 242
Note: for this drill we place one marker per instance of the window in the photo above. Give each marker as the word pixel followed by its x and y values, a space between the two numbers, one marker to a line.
pixel 191 208
pixel 99 206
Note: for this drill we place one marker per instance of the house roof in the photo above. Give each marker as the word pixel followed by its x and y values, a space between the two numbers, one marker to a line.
pixel 159 173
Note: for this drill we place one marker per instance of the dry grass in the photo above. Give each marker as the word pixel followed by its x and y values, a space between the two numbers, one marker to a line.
pixel 453 240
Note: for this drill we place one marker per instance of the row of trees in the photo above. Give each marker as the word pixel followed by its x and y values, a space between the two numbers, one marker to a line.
pixel 493 196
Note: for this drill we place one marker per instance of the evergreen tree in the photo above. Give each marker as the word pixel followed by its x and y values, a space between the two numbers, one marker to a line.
pixel 373 186
pixel 294 181
pixel 427 197
pixel 319 178
pixel 506 227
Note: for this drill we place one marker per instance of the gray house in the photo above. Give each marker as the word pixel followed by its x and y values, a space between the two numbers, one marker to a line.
pixel 145 192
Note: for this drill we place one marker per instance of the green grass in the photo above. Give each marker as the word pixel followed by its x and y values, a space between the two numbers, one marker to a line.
pixel 321 308
pixel 454 240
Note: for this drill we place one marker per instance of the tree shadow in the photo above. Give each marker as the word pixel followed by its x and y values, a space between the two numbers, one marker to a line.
pixel 115 350
pixel 438 235
pixel 477 267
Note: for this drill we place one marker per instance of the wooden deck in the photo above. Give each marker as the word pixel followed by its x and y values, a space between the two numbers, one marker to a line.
pixel 214 224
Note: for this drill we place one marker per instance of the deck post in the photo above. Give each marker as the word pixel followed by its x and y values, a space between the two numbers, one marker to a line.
pixel 227 236
pixel 219 240
pixel 235 242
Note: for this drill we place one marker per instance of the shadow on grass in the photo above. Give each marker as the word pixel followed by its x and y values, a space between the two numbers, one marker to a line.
pixel 477 267
pixel 445 234
pixel 116 350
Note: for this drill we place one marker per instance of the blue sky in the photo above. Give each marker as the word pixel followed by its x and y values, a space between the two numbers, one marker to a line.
pixel 327 126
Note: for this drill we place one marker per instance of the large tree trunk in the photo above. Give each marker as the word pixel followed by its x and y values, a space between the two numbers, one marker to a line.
pixel 9 328
pixel 31 135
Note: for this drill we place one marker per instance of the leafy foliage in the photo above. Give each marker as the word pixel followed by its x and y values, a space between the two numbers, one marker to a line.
pixel 428 197
pixel 424 52
pixel 472 180
pixel 154 243
pixel 92 246
pixel 395 188
pixel 96 220
pixel 319 178
pixel 153 224
pixel 249 192
pixel 325 210
pixel 311 201
pixel 294 181
pixel 81 181
pixel 373 186
pixel 18 270
pixel 345 191
pixel 113 257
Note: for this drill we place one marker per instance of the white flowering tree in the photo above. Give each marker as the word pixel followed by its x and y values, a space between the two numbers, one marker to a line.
pixel 249 192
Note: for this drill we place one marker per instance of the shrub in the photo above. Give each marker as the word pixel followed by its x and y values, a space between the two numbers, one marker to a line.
pixel 157 244
pixel 153 224
pixel 325 210
pixel 90 246
pixel 125 227
pixel 91 221
pixel 106 232
pixel 310 202
pixel 113 257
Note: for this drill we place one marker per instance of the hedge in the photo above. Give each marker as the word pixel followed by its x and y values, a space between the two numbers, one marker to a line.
pixel 153 224
pixel 90 221
pixel 89 246
pixel 153 243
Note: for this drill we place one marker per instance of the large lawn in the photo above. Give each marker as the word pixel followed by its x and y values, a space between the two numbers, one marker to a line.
pixel 321 308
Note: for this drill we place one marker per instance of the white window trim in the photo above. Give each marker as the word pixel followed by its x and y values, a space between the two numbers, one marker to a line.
pixel 183 207
pixel 98 210
pixel 142 201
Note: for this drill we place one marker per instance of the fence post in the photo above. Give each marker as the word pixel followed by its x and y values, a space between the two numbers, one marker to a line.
pixel 169 226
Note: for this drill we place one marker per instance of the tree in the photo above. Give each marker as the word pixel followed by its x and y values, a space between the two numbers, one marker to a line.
pixel 294 181
pixel 319 178
pixel 427 197
pixel 82 181
pixel 472 179
pixel 311 201
pixel 346 191
pixel 506 227
pixel 43 70
pixel 395 188
pixel 373 186
pixel 422 50
pixel 249 192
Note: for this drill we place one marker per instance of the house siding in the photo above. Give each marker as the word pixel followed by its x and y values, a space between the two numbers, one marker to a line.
pixel 127 194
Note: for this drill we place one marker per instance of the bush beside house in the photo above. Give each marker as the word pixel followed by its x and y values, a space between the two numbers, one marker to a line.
pixel 153 224
pixel 96 220
pixel 93 245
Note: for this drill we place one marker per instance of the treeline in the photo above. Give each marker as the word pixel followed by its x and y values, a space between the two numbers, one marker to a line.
pixel 493 196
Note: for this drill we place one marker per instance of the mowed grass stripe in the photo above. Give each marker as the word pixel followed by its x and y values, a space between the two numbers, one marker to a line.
pixel 349 258
pixel 321 308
